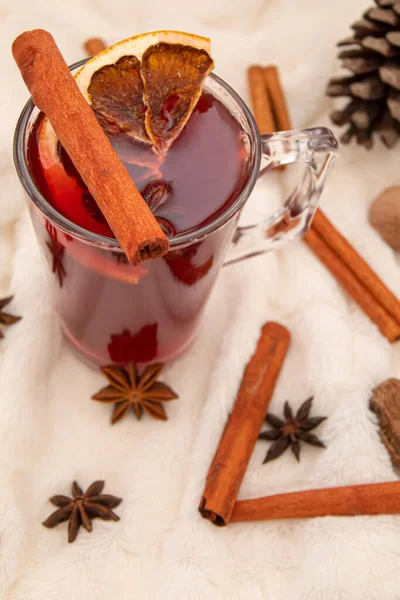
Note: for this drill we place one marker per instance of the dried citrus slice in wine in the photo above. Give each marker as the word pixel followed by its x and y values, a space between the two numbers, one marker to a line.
pixel 148 85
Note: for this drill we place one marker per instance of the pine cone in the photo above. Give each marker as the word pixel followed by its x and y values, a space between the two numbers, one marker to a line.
pixel 372 55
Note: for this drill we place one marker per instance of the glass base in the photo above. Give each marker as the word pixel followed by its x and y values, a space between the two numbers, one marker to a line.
pixel 94 361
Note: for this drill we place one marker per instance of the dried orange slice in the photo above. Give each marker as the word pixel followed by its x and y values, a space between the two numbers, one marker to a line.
pixel 115 93
pixel 145 86
pixel 148 85
pixel 173 76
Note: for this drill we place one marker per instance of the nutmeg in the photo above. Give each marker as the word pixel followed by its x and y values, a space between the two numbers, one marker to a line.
pixel 385 402
pixel 384 215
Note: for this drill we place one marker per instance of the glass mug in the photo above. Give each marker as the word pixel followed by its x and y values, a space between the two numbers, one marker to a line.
pixel 112 312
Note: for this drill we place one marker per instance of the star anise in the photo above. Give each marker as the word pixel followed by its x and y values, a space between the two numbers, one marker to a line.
pixel 57 253
pixel 141 392
pixel 6 318
pixel 82 508
pixel 291 431
pixel 156 193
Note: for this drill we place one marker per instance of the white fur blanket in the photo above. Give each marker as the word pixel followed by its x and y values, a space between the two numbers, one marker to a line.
pixel 51 433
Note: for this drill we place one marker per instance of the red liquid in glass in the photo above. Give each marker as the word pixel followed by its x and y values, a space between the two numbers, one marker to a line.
pixel 114 312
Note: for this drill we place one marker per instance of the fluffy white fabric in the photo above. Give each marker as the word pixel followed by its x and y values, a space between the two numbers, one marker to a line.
pixel 51 432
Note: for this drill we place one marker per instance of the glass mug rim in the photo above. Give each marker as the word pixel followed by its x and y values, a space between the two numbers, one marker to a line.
pixel 180 240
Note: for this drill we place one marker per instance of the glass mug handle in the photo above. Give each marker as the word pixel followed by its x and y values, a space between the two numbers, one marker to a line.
pixel 317 149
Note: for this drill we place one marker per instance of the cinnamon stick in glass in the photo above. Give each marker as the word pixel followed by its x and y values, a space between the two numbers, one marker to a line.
pixel 243 427
pixel 385 322
pixel 56 93
pixel 346 501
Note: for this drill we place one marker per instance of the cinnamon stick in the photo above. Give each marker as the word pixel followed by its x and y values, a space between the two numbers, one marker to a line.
pixel 351 500
pixel 259 100
pixel 385 322
pixel 56 93
pixel 242 429
pixel 93 46
pixel 350 257
pixel 354 274
pixel 277 98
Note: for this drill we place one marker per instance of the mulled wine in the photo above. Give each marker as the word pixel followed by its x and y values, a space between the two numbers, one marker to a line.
pixel 110 310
